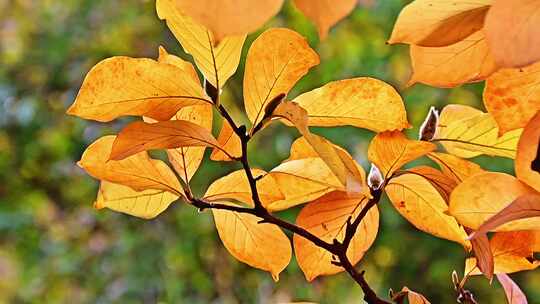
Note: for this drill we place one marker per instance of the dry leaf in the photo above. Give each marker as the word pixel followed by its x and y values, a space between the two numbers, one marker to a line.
pixel 421 204
pixel 276 60
pixel 512 96
pixel 229 142
pixel 361 102
pixel 217 63
pixel 514 295
pixel 433 23
pixel 454 167
pixel 414 297
pixel 145 204
pixel 227 18
pixel 484 256
pixel 513 32
pixel 120 86
pixel 260 245
pixel 468 60
pixel 527 164
pixel 327 218
pixel 142 136
pixel 391 150
pixel 483 195
pixel 138 171
pixel 325 13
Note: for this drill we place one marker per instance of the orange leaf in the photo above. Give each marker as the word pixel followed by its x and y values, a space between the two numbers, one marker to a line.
pixel 142 136
pixel 484 256
pixel 435 23
pixel 361 102
pixel 512 32
pixel 514 295
pixel 276 60
pixel 229 142
pixel 262 246
pixel 454 167
pixel 468 60
pixel 186 66
pixel 512 96
pixel 527 164
pixel 138 171
pixel 391 150
pixel 325 13
pixel 327 218
pixel 440 181
pixel 120 86
pixel 414 297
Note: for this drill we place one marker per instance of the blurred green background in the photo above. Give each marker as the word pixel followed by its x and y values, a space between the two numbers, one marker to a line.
pixel 55 248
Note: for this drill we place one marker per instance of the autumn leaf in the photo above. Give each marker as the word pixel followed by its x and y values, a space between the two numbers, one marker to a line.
pixel 276 60
pixel 361 102
pixel 145 204
pixel 217 63
pixel 468 60
pixel 227 18
pixel 229 142
pixel 512 96
pixel 454 167
pixel 414 297
pixel 514 295
pixel 527 164
pixel 327 218
pixel 484 257
pixel 325 13
pixel 512 32
pixel 467 132
pixel 432 23
pixel 235 186
pixel 142 136
pixel 416 199
pixel 260 245
pixel 139 171
pixel 120 86
pixel 482 196
pixel 186 66
pixel 391 150
pixel 440 181
pixel 512 252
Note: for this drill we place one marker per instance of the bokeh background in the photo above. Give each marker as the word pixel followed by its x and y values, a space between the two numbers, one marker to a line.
pixel 55 248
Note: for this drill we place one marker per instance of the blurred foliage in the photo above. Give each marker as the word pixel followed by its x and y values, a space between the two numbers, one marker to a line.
pixel 55 248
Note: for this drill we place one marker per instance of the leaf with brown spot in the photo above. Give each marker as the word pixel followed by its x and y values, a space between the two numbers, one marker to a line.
pixel 327 218
pixel 527 164
pixel 325 13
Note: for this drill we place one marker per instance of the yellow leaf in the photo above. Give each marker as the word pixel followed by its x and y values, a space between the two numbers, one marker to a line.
pixel 145 204
pixel 391 150
pixel 361 102
pixel 443 183
pixel 142 136
pixel 327 218
pixel 217 63
pixel 422 205
pixel 512 252
pixel 325 13
pixel 483 195
pixel 229 141
pixel 512 96
pixel 454 167
pixel 138 171
pixel 466 61
pixel 414 297
pixel 467 132
pixel 121 86
pixel 226 18
pixel 512 32
pixel 186 66
pixel 276 60
pixel 435 23
pixel 262 246
pixel 528 155
pixel 235 186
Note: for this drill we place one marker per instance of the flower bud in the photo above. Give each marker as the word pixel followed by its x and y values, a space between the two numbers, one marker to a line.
pixel 429 126
pixel 375 178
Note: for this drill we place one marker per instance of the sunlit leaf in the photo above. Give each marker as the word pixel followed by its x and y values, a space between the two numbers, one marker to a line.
pixel 217 63
pixel 327 218
pixel 440 181
pixel 512 96
pixel 414 297
pixel 276 60
pixel 416 199
pixel 228 141
pixel 435 23
pixel 514 295
pixel 120 86
pixel 138 171
pixel 484 257
pixel 528 156
pixel 513 32
pixel 145 204
pixel 454 167
pixel 325 13
pixel 361 102
pixel 186 66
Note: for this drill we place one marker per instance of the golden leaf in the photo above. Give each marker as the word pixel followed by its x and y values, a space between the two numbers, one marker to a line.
pixel 121 86
pixel 327 218
pixel 440 181
pixel 454 167
pixel 527 164
pixel 186 66
pixel 325 13
pixel 361 102
pixel 414 297
pixel 229 142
